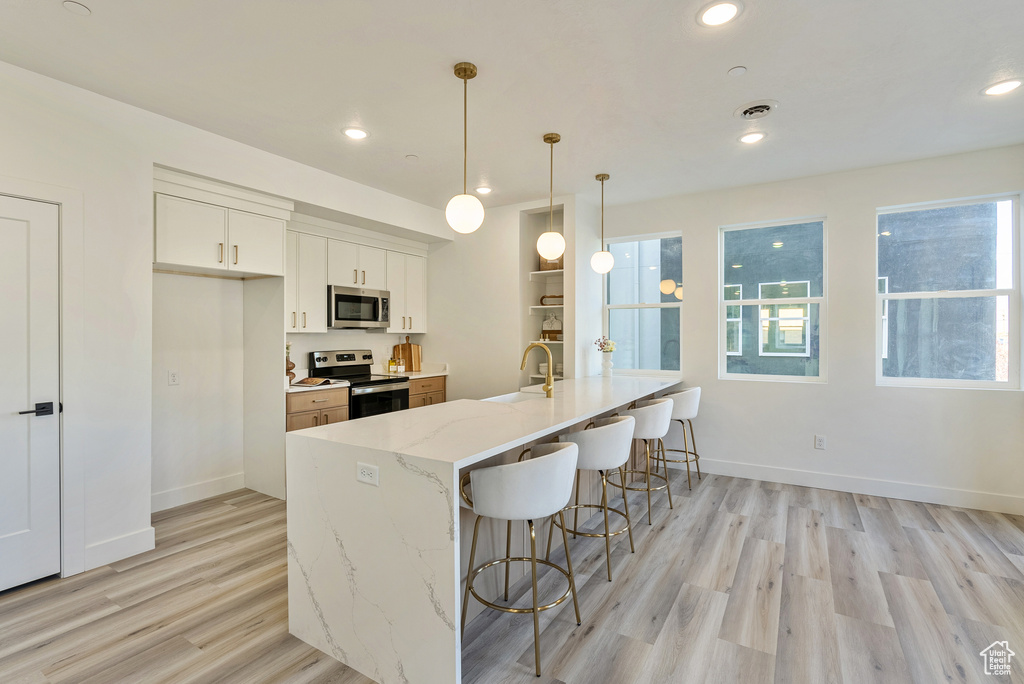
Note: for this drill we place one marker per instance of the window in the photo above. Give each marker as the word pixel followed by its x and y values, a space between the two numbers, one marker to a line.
pixel 644 292
pixel 948 295
pixel 776 335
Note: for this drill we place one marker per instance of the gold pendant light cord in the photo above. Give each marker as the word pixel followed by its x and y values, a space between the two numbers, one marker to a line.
pixel 465 136
pixel 551 193
pixel 602 216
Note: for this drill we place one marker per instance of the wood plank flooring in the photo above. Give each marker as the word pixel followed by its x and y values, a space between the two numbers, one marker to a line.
pixel 743 581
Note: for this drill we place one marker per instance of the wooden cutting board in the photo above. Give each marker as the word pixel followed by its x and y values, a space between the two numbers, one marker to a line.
pixel 412 354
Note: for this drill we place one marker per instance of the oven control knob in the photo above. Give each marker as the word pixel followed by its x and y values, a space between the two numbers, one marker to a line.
pixel 367 356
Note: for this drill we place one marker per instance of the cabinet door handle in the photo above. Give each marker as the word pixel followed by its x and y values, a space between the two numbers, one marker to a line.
pixel 294 322
pixel 220 258
pixel 403 322
pixel 319 401
pixel 303 319
pixel 355 276
pixel 364 277
pixel 410 322
pixel 326 419
pixel 316 419
pixel 236 255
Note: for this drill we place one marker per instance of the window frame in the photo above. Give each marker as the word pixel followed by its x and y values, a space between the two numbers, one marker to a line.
pixel 1014 313
pixel 737 321
pixel 822 302
pixel 606 307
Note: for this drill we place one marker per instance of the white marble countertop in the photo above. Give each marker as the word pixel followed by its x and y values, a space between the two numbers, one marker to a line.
pixel 427 370
pixel 339 384
pixel 464 432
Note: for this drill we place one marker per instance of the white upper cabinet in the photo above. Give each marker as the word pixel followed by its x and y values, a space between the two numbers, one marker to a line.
pixel 291 282
pixel 206 236
pixel 256 242
pixel 190 233
pixel 406 283
pixel 352 265
pixel 306 290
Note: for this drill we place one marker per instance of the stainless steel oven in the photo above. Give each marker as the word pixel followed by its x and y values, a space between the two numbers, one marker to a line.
pixel 371 400
pixel 369 394
pixel 351 307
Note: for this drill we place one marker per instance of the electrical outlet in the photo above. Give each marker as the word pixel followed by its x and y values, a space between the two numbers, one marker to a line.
pixel 370 474
pixel 819 442
pixel 172 377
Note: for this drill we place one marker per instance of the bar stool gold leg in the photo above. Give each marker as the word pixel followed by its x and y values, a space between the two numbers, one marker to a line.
pixel 469 577
pixel 693 443
pixel 576 511
pixel 568 565
pixel 664 460
pixel 551 534
pixel 508 554
pixel 686 451
pixel 650 514
pixel 536 612
pixel 625 505
pixel 607 535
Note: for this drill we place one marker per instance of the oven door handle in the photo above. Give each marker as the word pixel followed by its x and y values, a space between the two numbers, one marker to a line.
pixel 373 389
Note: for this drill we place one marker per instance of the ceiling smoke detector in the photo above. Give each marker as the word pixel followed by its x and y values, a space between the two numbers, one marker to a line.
pixel 756 110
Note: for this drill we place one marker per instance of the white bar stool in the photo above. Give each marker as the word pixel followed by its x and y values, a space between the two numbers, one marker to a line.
pixel 652 422
pixel 684 410
pixel 604 446
pixel 528 490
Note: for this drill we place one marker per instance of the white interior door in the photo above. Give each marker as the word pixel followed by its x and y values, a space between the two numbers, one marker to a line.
pixel 30 372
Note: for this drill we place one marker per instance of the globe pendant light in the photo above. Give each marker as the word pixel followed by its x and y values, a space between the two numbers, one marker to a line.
pixel 602 261
pixel 464 212
pixel 551 245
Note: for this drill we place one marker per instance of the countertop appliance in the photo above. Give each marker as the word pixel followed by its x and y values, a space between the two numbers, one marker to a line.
pixel 369 394
pixel 351 307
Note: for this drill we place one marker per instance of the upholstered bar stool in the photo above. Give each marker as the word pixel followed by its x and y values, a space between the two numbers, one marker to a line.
pixel 604 446
pixel 529 490
pixel 652 422
pixel 684 410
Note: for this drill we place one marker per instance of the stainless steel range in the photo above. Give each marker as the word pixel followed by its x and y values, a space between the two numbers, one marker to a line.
pixel 369 394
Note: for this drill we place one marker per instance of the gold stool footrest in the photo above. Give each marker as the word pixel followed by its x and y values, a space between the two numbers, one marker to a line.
pixel 593 534
pixel 645 488
pixel 691 456
pixel 507 609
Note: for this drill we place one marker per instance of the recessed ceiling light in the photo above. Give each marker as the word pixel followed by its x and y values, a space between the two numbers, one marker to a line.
pixel 737 71
pixel 77 8
pixel 751 138
pixel 737 265
pixel 484 190
pixel 885 233
pixel 719 13
pixel 1002 87
pixel 776 245
pixel 355 133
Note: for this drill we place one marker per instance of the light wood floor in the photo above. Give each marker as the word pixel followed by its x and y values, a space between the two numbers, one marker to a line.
pixel 743 581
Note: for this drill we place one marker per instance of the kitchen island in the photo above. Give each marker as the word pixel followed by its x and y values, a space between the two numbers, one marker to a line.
pixel 374 570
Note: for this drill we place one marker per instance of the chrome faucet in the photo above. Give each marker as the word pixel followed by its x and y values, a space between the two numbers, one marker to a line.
pixel 549 381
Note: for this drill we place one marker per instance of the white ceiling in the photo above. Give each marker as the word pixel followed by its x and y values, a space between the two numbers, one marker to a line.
pixel 636 88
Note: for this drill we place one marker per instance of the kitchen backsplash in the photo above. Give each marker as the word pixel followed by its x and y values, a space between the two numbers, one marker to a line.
pixel 381 344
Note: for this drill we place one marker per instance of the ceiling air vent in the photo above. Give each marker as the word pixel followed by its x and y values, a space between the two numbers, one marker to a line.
pixel 756 110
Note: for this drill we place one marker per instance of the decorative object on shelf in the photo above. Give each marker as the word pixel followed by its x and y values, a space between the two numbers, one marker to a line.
pixel 289 366
pixel 552 328
pixel 551 245
pixel 552 264
pixel 542 302
pixel 602 261
pixel 464 212
pixel 410 354
pixel 606 347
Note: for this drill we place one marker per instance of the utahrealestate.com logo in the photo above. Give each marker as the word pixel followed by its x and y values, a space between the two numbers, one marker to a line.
pixel 997 659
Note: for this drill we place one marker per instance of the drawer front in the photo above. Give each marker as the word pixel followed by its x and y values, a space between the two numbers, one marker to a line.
pixel 301 421
pixel 334 415
pixel 425 385
pixel 316 400
pixel 435 398
pixel 417 400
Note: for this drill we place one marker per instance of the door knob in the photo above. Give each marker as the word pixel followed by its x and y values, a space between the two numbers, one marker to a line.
pixel 41 409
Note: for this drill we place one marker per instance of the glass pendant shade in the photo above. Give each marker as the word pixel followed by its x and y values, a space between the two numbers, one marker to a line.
pixel 464 213
pixel 602 262
pixel 551 245
pixel 668 286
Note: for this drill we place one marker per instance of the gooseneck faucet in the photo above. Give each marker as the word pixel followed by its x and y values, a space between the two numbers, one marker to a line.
pixel 549 381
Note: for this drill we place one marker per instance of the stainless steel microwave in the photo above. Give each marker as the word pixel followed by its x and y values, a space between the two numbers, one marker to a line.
pixel 351 307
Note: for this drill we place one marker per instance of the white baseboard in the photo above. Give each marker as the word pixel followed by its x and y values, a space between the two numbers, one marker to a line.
pixel 964 498
pixel 118 548
pixel 195 492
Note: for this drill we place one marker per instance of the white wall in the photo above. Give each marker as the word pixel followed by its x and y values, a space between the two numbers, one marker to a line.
pixel 197 425
pixel 961 447
pixel 70 143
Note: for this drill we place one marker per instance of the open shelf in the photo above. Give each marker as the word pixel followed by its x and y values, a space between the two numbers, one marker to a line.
pixel 544 275
pixel 545 307
pixel 544 377
pixel 547 341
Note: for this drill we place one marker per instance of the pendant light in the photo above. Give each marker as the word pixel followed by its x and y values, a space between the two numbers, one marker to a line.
pixel 602 261
pixel 464 212
pixel 551 245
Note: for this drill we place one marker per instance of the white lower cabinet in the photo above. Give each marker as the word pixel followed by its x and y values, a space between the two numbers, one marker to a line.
pixel 305 283
pixel 205 236
pixel 407 284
